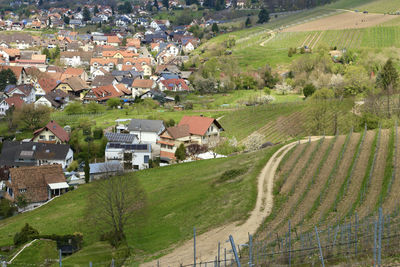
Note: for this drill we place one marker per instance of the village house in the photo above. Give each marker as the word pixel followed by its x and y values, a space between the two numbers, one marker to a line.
pixel 17 154
pixel 25 91
pixel 74 86
pixel 171 138
pixel 14 101
pixel 19 73
pixel 140 86
pixel 173 85
pixel 44 86
pixel 131 156
pixel 108 64
pixel 51 133
pixel 72 72
pixel 202 129
pixel 102 170
pixel 56 99
pixel 147 131
pixel 37 184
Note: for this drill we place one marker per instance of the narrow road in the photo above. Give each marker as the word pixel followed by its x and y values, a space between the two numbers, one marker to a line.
pixel 207 243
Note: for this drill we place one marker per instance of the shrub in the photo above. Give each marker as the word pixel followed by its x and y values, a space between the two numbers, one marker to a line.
pixel 231 174
pixel 308 90
pixel 113 102
pixel 7 208
pixel 73 166
pixel 27 233
pixel 98 133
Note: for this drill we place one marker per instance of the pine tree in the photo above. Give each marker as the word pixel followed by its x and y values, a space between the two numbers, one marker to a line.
pixel 95 10
pixel 248 22
pixel 180 153
pixel 87 169
pixel 86 14
pixel 215 28
pixel 388 80
pixel 263 16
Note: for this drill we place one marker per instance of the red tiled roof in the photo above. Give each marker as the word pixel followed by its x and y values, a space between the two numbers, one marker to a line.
pixel 106 92
pixel 15 101
pixel 17 70
pixel 164 154
pixel 56 129
pixel 142 83
pixel 113 39
pixel 197 125
pixel 170 83
pixel 122 88
pixel 47 84
pixel 74 71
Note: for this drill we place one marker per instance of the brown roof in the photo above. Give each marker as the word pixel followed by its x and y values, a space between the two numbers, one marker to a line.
pixel 74 71
pixel 15 101
pixel 47 84
pixel 76 83
pixel 198 125
pixel 106 92
pixel 113 39
pixel 104 61
pixel 56 129
pixel 102 80
pixel 35 180
pixel 178 131
pixel 17 70
pixel 122 88
pixel 125 54
pixel 143 83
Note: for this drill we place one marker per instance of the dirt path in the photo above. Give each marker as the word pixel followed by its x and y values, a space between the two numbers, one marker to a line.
pixel 207 242
pixel 270 38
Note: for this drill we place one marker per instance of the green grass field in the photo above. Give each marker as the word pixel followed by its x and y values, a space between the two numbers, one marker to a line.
pixel 381 6
pixel 37 253
pixel 179 198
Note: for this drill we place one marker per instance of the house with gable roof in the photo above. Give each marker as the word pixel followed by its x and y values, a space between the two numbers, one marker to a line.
pixel 201 129
pixel 51 133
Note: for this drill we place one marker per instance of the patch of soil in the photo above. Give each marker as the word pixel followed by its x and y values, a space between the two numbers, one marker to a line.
pixel 287 165
pixel 392 201
pixel 337 180
pixel 375 186
pixel 358 175
pixel 347 20
pixel 300 186
pixel 320 181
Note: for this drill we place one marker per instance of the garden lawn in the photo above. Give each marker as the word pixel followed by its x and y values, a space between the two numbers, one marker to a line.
pixel 179 197
pixel 37 254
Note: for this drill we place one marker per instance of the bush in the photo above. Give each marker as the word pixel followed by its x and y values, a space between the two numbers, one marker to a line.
pixel 7 208
pixel 98 133
pixel 74 108
pixel 94 107
pixel 73 166
pixel 308 90
pixel 113 102
pixel 231 174
pixel 370 119
pixel 115 239
pixel 27 233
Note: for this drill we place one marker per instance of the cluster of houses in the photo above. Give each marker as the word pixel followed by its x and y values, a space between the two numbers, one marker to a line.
pixel 95 67
pixel 36 168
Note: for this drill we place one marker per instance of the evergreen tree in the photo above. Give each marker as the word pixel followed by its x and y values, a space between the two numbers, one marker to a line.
pixel 87 168
pixel 180 153
pixel 248 22
pixel 215 28
pixel 66 20
pixel 95 10
pixel 166 3
pixel 155 4
pixel 86 14
pixel 263 16
pixel 388 80
pixel 7 77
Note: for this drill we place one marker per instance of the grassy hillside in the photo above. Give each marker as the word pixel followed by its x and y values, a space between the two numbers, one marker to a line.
pixel 179 198
pixel 381 6
pixel 326 181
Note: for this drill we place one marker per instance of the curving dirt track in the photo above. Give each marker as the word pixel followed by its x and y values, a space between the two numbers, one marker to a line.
pixel 206 244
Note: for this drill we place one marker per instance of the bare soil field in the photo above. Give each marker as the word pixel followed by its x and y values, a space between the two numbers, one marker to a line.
pixel 320 181
pixel 347 20
pixel 377 177
pixel 299 186
pixel 337 180
pixel 392 201
pixel 286 165
pixel 358 175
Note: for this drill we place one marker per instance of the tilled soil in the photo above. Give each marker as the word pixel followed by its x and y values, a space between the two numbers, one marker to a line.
pixel 392 201
pixel 375 186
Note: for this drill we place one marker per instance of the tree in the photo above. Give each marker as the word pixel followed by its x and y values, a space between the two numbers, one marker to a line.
pixel 93 108
pixel 66 20
pixel 283 88
pixel 308 90
pixel 195 149
pixel 86 14
pixel 180 153
pixel 87 167
pixel 95 10
pixel 125 8
pixel 46 52
pixel 7 77
pixel 114 202
pixel 215 28
pixel 248 22
pixel 123 42
pixel 22 201
pixel 7 208
pixel 166 3
pixel 113 102
pixel 155 4
pixel 74 107
pixel 388 80
pixel 177 99
pixel 263 16
pixel 254 141
pixel 31 117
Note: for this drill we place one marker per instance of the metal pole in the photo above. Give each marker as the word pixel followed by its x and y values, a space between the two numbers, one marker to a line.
pixel 219 258
pixel 224 257
pixel 356 234
pixel 194 246
pixel 234 251
pixel 319 246
pixel 60 257
pixel 90 264
pixel 380 238
pixel 375 230
pixel 112 263
pixel 250 250
pixel 158 263
pixel 290 246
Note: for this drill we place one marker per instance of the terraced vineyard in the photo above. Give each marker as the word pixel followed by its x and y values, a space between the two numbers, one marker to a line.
pixel 326 181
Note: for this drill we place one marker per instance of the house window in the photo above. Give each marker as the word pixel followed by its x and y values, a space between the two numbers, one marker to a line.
pixel 41 137
pixel 136 167
pixel 52 137
pixel 212 128
pixel 146 159
pixel 23 190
